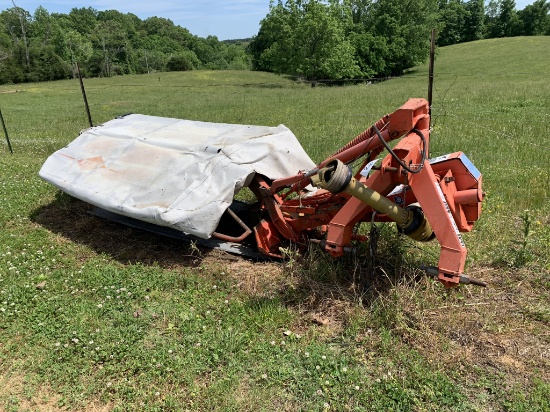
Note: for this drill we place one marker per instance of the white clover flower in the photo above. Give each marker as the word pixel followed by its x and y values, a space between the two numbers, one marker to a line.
pixel 356 387
pixel 323 357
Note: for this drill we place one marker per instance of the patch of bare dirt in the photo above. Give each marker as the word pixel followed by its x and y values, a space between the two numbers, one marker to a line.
pixel 490 328
pixel 16 394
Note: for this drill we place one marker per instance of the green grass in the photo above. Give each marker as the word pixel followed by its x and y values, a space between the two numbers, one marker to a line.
pixel 126 321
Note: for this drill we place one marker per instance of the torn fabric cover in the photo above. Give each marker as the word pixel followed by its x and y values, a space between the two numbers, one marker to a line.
pixel 177 173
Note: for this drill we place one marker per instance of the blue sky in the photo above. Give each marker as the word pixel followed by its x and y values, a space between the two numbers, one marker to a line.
pixel 227 19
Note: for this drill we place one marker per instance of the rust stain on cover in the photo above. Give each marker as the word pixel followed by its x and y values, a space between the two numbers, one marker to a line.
pixel 92 163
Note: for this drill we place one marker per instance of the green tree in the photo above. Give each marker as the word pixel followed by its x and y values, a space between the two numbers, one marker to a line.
pixel 453 16
pixel 16 22
pixel 237 57
pixel 211 52
pixel 42 26
pixel 46 65
pixel 474 24
pixel 112 40
pixel 503 19
pixel 371 52
pixel 510 23
pixel 322 50
pixel 275 29
pixel 305 38
pixel 44 46
pixel 150 61
pixel 183 62
pixel 11 71
pixel 406 26
pixel 83 20
pixel 535 18
pixel 359 10
pixel 75 48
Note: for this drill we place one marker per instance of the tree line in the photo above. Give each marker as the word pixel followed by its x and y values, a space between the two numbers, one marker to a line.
pixel 313 39
pixel 343 39
pixel 46 46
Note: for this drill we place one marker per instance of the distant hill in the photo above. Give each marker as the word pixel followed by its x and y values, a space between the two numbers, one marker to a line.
pixel 238 41
pixel 514 55
pixel 41 46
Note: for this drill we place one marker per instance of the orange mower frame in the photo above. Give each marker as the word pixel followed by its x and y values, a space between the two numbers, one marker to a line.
pixel 438 198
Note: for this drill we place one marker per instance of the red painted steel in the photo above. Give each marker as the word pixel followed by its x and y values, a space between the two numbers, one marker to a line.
pixel 448 193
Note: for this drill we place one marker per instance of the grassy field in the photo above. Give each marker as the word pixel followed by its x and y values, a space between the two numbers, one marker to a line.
pixel 98 317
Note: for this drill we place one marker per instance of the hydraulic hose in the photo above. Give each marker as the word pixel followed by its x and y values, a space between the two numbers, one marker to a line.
pixel 365 135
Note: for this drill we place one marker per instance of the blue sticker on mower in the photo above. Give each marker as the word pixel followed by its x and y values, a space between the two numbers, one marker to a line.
pixel 470 166
pixel 465 161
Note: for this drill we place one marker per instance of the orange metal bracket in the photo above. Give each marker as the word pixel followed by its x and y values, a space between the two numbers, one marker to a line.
pixel 448 191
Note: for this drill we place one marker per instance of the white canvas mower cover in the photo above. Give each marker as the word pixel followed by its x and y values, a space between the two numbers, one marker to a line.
pixel 177 173
pixel 180 176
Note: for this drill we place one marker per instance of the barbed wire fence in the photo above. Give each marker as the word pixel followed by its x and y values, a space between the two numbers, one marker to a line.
pixel 442 108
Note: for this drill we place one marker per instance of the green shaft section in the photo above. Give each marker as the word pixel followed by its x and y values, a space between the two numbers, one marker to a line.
pixel 378 202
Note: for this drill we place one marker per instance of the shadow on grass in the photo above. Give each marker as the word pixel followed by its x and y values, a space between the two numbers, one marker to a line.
pixel 367 278
pixel 73 220
pixel 308 279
